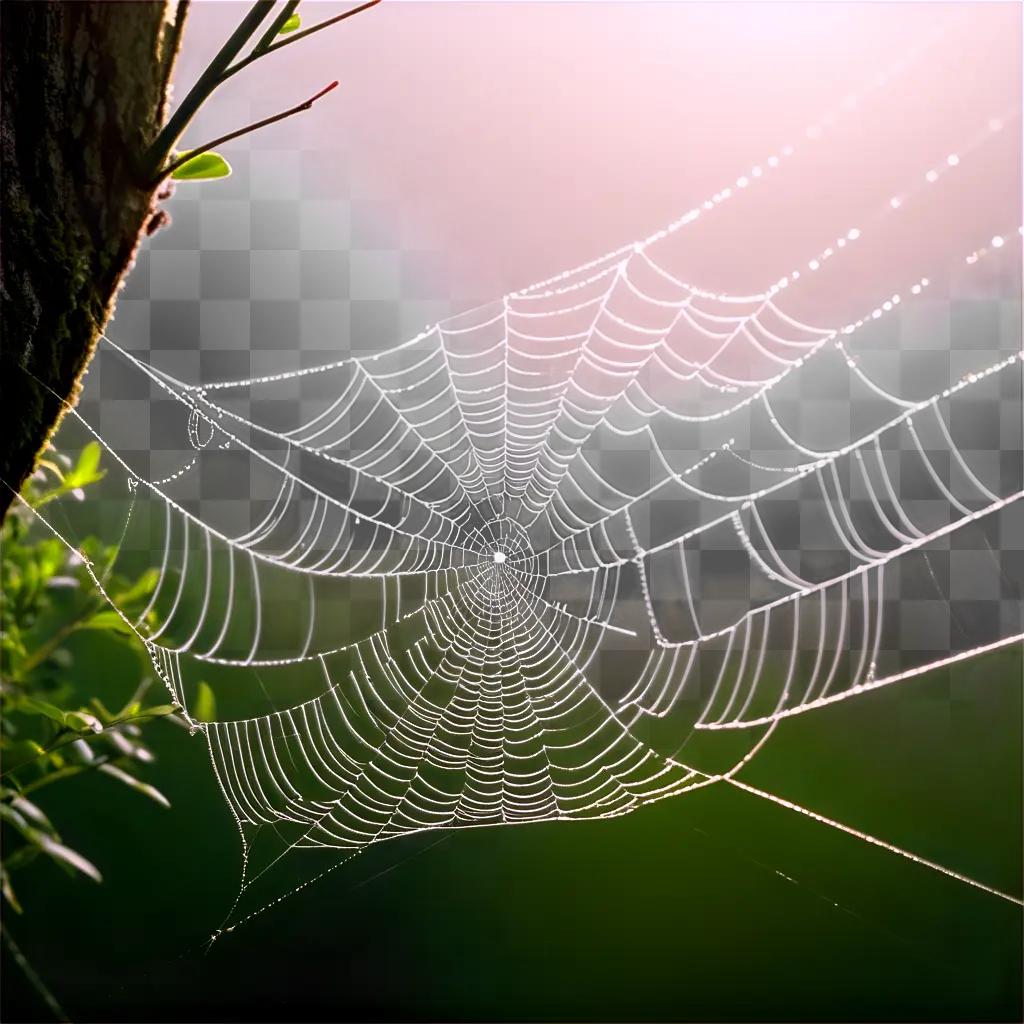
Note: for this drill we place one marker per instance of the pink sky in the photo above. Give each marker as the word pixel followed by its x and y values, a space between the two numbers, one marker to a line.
pixel 524 138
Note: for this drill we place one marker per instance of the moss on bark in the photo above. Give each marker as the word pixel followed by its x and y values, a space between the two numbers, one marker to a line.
pixel 84 94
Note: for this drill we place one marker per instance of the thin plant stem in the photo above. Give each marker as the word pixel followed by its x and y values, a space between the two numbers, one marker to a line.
pixel 206 147
pixel 275 27
pixel 226 64
pixel 207 82
pixel 66 739
pixel 46 649
pixel 295 37
pixel 33 978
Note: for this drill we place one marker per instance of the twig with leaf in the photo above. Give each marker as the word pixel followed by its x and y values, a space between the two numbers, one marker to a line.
pixel 202 163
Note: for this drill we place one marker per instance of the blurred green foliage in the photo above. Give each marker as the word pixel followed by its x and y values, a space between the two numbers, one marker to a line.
pixel 51 732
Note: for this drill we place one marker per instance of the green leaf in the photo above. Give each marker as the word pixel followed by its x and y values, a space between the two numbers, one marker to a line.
pixel 101 709
pixel 20 752
pixel 16 820
pixel 89 460
pixel 32 813
pixel 206 704
pixel 107 619
pixel 22 856
pixel 290 25
pixel 8 891
pixel 87 469
pixel 53 467
pixel 82 721
pixel 50 558
pixel 203 168
pixel 142 587
pixel 138 785
pixel 137 714
pixel 34 706
pixel 159 711
pixel 65 855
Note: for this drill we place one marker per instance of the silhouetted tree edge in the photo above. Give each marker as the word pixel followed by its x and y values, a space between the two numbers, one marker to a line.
pixel 84 146
pixel 84 95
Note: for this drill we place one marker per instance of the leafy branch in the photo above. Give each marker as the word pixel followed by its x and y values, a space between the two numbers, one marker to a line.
pixel 46 735
pixel 191 156
pixel 283 30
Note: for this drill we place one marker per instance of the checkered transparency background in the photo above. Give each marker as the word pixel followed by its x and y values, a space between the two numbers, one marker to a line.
pixel 280 267
pixel 276 266
pixel 302 257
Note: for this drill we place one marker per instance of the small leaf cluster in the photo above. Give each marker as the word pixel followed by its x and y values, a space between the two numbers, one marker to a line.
pixel 48 734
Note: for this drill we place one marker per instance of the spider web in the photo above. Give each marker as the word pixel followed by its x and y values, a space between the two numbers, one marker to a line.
pixel 558 557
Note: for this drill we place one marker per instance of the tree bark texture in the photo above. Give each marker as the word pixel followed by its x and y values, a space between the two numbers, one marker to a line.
pixel 84 94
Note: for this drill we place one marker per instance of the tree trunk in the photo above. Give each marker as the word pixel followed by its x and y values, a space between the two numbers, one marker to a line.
pixel 84 94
